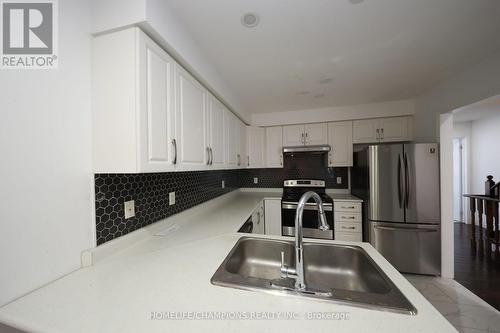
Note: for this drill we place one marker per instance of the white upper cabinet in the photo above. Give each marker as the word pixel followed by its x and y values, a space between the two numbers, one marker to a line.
pixel 132 104
pixel 255 147
pixel 191 117
pixel 243 151
pixel 340 141
pixel 309 135
pixel 293 135
pixel 274 147
pixel 396 129
pixel 232 139
pixel 392 129
pixel 316 134
pixel 366 131
pixel 216 133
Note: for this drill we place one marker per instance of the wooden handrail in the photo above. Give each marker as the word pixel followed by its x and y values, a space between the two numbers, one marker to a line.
pixel 482 197
pixel 485 205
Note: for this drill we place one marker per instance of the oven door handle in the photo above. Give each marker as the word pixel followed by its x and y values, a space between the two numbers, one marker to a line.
pixel 306 207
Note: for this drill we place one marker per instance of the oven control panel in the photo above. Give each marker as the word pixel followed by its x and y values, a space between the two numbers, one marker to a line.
pixel 304 183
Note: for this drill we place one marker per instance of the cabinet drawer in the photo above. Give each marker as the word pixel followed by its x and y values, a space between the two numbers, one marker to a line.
pixel 347 227
pixel 347 217
pixel 347 206
pixel 348 236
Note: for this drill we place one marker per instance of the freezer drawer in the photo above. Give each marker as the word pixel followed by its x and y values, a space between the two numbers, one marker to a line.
pixel 410 248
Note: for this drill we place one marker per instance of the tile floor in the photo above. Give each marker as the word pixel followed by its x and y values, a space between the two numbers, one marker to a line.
pixel 466 311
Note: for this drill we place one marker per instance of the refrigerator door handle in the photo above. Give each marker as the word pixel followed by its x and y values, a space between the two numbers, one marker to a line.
pixel 407 181
pixel 400 181
pixel 404 229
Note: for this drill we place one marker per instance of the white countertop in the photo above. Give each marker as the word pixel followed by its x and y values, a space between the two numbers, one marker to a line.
pixel 343 197
pixel 172 273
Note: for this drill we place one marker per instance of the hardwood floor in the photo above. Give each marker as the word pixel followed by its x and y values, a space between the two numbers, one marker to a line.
pixel 479 273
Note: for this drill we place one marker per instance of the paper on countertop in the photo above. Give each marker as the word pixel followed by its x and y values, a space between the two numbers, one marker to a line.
pixel 168 230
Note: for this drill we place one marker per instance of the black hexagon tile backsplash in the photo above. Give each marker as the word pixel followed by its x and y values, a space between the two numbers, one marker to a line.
pixel 150 191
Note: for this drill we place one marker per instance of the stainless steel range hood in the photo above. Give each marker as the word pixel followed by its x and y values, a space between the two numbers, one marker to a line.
pixel 307 149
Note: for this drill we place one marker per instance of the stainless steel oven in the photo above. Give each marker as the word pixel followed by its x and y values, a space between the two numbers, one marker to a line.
pixel 309 220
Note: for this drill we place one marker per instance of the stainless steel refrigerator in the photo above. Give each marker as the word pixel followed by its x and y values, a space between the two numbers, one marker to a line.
pixel 400 187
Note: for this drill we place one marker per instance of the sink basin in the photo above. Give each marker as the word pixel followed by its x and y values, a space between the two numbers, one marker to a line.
pixel 336 273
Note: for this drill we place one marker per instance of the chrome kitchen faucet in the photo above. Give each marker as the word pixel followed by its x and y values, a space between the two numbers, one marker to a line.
pixel 297 273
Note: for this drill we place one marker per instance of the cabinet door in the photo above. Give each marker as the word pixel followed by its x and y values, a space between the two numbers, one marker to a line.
pixel 394 129
pixel 366 131
pixel 231 143
pixel 242 152
pixel 274 147
pixel 293 135
pixel 157 116
pixel 216 133
pixel 340 140
pixel 316 134
pixel 191 122
pixel 272 213
pixel 255 147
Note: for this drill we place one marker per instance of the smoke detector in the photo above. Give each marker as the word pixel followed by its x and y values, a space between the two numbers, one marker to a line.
pixel 250 20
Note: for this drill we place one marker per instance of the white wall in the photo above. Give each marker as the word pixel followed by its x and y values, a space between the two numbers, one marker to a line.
pixel 338 113
pixel 478 82
pixel 447 227
pixel 45 145
pixel 485 155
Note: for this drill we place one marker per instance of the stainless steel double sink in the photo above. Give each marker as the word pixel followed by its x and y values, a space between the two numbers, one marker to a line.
pixel 336 273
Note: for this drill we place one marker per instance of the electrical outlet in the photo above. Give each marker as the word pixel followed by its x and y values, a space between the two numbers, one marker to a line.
pixel 223 184
pixel 129 209
pixel 255 180
pixel 339 180
pixel 171 198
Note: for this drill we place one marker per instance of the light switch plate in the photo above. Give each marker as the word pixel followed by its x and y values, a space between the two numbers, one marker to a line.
pixel 255 180
pixel 223 184
pixel 129 209
pixel 339 180
pixel 171 198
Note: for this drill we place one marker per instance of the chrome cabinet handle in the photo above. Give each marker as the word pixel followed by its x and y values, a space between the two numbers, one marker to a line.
pixel 378 134
pixel 382 133
pixel 281 159
pixel 174 143
pixel 350 228
pixel 348 207
pixel 211 156
pixel 348 217
pixel 208 156
pixel 248 160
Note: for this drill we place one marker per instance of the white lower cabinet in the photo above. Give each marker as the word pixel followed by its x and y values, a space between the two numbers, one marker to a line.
pixel 272 213
pixel 258 219
pixel 347 221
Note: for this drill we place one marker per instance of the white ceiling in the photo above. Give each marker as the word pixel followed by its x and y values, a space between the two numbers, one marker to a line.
pixel 484 109
pixel 376 51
